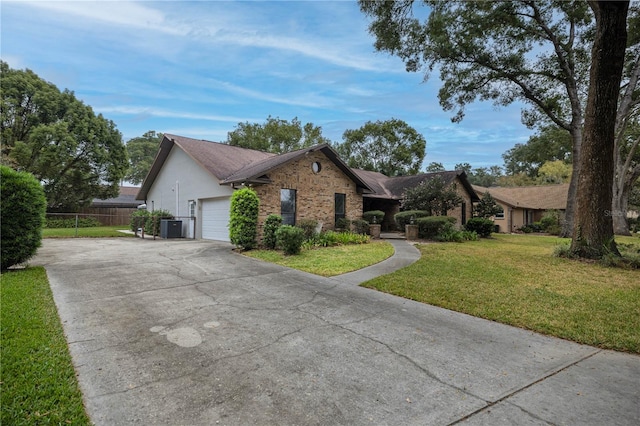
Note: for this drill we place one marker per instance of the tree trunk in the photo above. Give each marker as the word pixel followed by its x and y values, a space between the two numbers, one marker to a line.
pixel 593 227
pixel 567 224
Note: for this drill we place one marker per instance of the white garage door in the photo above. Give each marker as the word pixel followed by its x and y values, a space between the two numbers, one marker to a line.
pixel 215 218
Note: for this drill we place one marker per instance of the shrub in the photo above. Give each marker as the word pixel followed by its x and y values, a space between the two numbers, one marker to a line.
pixel 404 218
pixel 152 224
pixel 483 227
pixel 431 226
pixel 360 226
pixel 550 218
pixel 373 216
pixel 290 239
pixel 139 219
pixel 448 233
pixel 22 213
pixel 70 222
pixel 271 225
pixel 331 238
pixel 343 223
pixel 470 235
pixel 243 218
pixel 308 226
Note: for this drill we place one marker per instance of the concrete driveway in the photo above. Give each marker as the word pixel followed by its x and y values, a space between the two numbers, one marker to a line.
pixel 181 332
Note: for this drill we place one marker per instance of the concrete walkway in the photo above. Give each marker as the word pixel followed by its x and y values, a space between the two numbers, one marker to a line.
pixel 405 254
pixel 183 332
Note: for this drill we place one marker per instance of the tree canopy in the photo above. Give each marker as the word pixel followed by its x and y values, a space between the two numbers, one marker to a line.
pixel 276 135
pixel 550 143
pixel 142 151
pixel 539 52
pixel 433 196
pixel 390 147
pixel 76 154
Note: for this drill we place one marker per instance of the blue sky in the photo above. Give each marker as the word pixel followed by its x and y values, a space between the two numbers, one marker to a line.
pixel 198 68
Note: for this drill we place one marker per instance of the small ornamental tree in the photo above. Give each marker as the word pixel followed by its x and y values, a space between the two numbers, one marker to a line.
pixel 432 196
pixel 22 213
pixel 243 218
pixel 487 207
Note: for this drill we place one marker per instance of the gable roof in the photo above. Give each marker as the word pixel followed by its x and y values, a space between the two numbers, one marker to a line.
pixel 256 172
pixel 538 197
pixel 394 187
pixel 219 159
pixel 232 164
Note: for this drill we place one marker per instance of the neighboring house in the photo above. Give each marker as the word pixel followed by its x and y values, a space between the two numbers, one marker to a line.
pixel 524 205
pixel 194 179
pixel 115 211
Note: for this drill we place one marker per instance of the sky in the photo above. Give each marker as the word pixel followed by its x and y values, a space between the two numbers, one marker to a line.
pixel 198 68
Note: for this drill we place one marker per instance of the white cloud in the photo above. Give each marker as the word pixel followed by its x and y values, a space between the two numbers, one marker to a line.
pixel 157 112
pixel 122 13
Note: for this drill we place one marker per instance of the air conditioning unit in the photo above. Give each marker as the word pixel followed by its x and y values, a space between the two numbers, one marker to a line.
pixel 170 228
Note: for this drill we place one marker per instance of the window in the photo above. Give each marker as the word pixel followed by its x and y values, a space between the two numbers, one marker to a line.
pixel 288 206
pixel 340 206
pixel 464 213
pixel 192 208
pixel 499 215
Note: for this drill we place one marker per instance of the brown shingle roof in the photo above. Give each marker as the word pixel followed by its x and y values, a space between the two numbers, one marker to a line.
pixel 126 198
pixel 394 187
pixel 219 159
pixel 540 197
pixel 232 164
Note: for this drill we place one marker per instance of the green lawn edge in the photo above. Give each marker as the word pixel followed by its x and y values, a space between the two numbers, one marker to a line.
pixel 516 280
pixel 39 384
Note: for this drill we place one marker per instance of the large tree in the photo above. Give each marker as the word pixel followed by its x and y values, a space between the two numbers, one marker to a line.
pixel 76 154
pixel 142 151
pixel 593 227
pixel 390 147
pixel 533 51
pixel 550 143
pixel 503 51
pixel 276 135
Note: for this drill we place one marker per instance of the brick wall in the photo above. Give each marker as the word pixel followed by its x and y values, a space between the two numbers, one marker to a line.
pixel 466 199
pixel 315 192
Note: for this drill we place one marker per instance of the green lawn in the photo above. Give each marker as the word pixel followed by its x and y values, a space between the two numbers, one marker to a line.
pixel 329 261
pixel 38 380
pixel 92 232
pixel 514 279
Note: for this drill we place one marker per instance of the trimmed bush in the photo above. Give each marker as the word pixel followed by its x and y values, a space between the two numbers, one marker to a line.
pixel 430 227
pixel 483 227
pixel 243 218
pixel 449 234
pixel 308 226
pixel 404 218
pixel 271 225
pixel 370 215
pixel 152 224
pixel 360 226
pixel 22 215
pixel 290 239
pixel 139 219
pixel 343 223
pixel 70 222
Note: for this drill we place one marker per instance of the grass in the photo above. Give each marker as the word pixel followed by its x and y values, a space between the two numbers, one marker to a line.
pixel 514 279
pixel 38 380
pixel 329 261
pixel 92 232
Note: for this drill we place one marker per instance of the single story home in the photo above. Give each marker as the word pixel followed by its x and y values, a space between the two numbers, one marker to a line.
pixel 524 205
pixel 194 180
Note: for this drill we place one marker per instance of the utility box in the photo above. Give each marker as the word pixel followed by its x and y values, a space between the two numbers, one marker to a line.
pixel 170 228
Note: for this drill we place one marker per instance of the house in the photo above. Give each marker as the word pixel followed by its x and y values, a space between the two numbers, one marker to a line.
pixel 194 179
pixel 115 211
pixel 388 192
pixel 524 205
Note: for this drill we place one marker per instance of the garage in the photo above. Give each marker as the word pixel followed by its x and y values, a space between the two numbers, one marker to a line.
pixel 215 218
